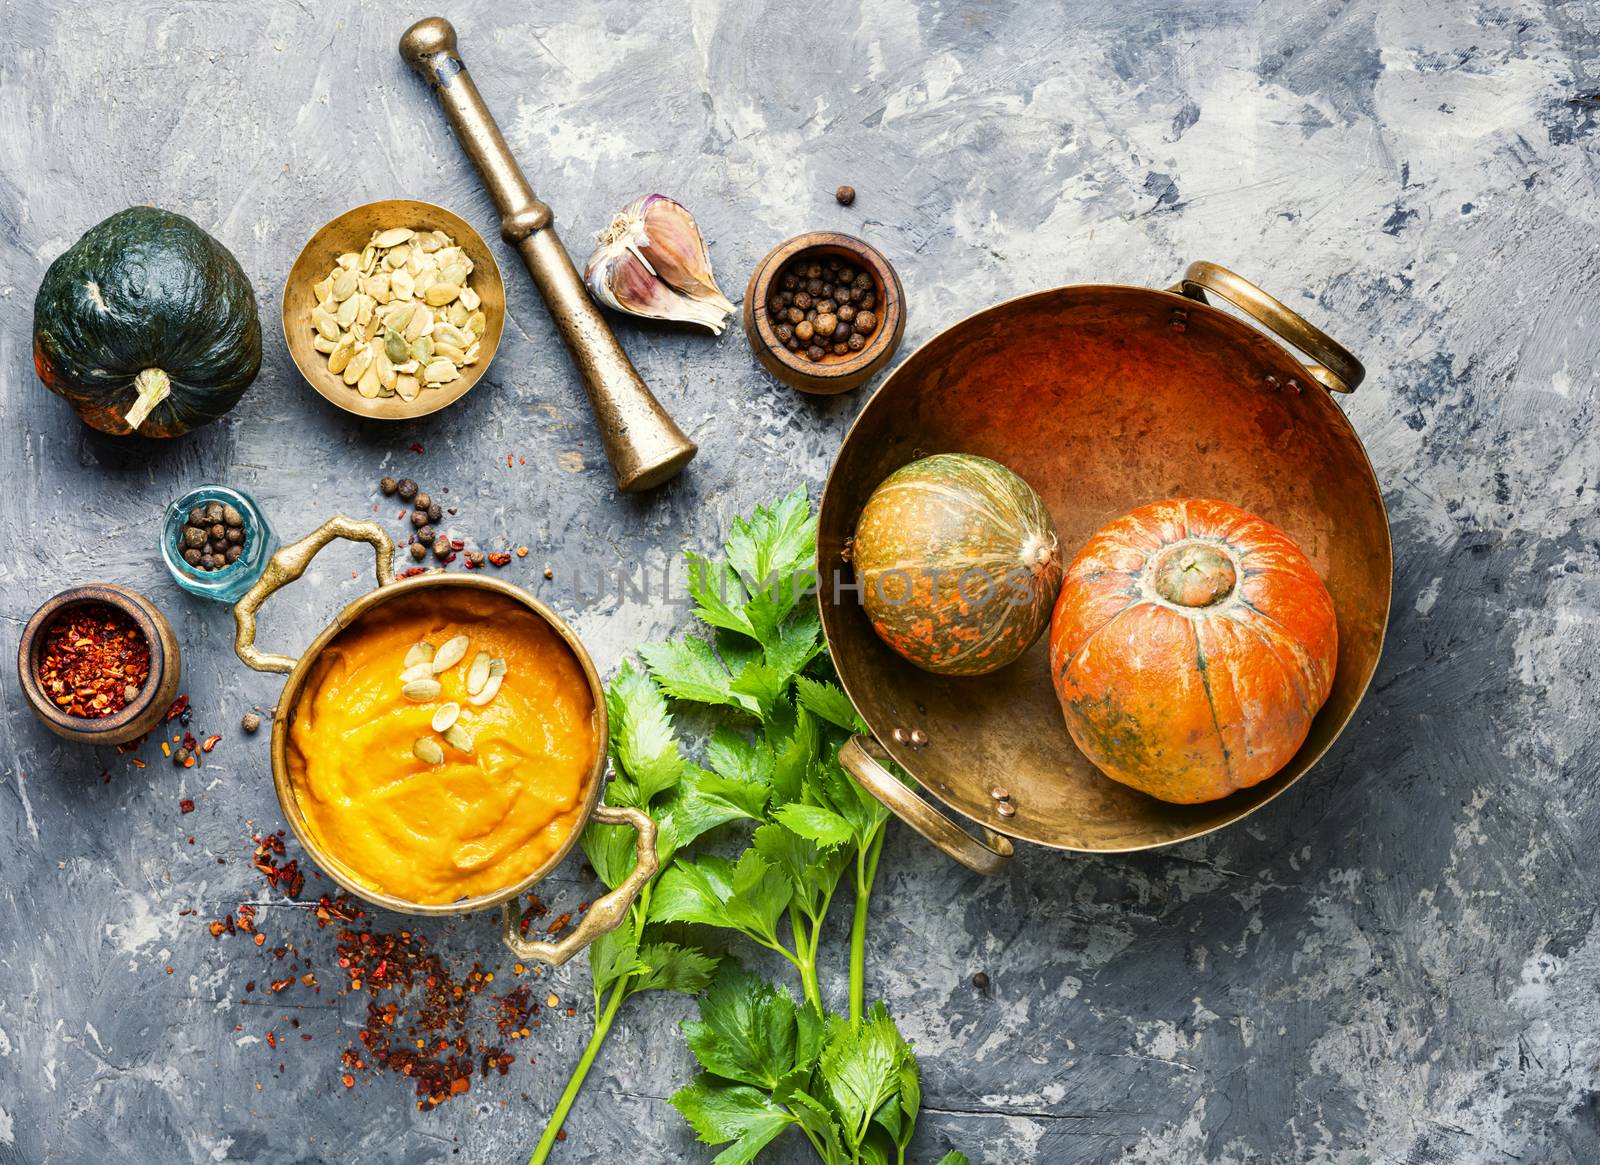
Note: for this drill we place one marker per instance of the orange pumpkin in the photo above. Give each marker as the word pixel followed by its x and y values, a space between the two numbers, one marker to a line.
pixel 1191 646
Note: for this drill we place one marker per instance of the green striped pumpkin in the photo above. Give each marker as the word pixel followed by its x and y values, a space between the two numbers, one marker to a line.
pixel 958 563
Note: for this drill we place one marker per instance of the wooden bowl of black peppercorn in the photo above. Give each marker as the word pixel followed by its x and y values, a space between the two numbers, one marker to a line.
pixel 824 312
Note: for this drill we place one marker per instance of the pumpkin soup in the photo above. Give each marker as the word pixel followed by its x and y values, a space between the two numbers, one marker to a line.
pixel 442 746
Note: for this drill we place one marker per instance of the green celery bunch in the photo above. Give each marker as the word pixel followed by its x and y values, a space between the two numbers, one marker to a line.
pixel 849 1083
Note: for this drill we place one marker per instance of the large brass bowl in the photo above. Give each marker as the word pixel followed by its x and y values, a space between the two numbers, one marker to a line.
pixel 288 564
pixel 1103 398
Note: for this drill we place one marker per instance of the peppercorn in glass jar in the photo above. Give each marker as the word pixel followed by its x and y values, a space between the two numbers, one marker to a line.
pixel 216 542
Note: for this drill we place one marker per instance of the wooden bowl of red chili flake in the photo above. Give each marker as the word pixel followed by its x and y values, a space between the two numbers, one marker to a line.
pixel 99 664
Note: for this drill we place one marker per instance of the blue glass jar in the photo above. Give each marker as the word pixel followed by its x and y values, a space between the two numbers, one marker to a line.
pixel 227 584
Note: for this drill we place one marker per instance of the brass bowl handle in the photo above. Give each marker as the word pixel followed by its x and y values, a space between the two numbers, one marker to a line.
pixel 607 911
pixel 289 564
pixel 1336 369
pixel 987 855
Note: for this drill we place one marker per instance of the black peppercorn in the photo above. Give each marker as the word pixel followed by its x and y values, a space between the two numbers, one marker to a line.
pixel 784 332
pixel 218 533
pixel 814 353
pixel 847 276
pixel 864 323
pixel 233 553
pixel 803 300
pixel 422 501
pixel 867 302
pixel 856 343
pixel 814 286
pixel 826 307
pixel 197 516
pixel 236 536
pixel 213 513
pixel 845 195
pixel 790 282
pixel 407 489
pixel 825 323
pixel 846 313
pixel 419 518
pixel 804 330
pixel 840 349
pixel 207 562
pixel 796 315
pixel 388 485
pixel 419 551
pixel 192 556
pixel 194 536
pixel 980 980
pixel 864 281
pixel 434 512
pixel 813 271
pixel 441 547
pixel 426 534
pixel 181 757
pixel 232 517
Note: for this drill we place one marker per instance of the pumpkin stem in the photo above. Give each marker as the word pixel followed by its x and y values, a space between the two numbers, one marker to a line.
pixel 153 387
pixel 1193 574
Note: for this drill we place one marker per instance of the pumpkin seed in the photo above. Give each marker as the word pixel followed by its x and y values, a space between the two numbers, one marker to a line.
pixel 366 304
pixel 396 257
pixel 497 667
pixel 478 323
pixel 369 385
pixel 407 387
pixel 490 690
pixel 420 652
pixel 422 349
pixel 402 284
pixel 347 312
pixel 344 286
pixel 422 691
pixel 349 260
pixel 369 258
pixel 427 750
pixel 340 356
pixel 455 273
pixel 357 366
pixel 447 715
pixel 327 326
pixel 377 286
pixel 421 670
pixel 430 242
pixel 458 313
pixel 450 653
pixel 392 237
pixel 439 294
pixel 470 299
pixel 321 291
pixel 471 356
pixel 418 324
pixel 385 368
pixel 449 334
pixel 322 345
pixel 478 673
pixel 458 738
pixel 440 372
pixel 450 352
pixel 394 346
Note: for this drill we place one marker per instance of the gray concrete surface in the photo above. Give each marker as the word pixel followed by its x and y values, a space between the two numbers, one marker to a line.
pixel 1398 961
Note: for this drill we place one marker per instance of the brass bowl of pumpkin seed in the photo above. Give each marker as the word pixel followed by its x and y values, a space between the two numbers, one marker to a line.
pixel 394 309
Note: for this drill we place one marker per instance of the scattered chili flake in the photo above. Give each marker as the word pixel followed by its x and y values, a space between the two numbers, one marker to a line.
pixel 136 763
pixel 416 446
pixel 349 1080
pixel 272 1040
pixel 94 661
pixel 508 461
pixel 210 742
pixel 499 558
pixel 412 571
pixel 179 707
pixel 186 805
pixel 522 552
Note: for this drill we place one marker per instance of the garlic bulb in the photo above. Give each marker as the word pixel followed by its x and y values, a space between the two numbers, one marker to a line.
pixel 652 261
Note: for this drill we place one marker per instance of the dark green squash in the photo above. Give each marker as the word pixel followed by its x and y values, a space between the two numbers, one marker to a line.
pixel 958 563
pixel 147 324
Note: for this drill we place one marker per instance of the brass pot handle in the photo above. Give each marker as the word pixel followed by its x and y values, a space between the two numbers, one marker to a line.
pixel 986 855
pixel 289 564
pixel 607 911
pixel 1336 369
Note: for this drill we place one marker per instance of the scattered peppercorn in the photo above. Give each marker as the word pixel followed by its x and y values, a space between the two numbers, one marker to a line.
pixel 407 489
pixel 548 573
pixel 388 485
pixel 419 518
pixel 250 722
pixel 435 514
pixel 419 551
pixel 441 547
pixel 183 758
pixel 845 195
pixel 213 536
pixel 980 980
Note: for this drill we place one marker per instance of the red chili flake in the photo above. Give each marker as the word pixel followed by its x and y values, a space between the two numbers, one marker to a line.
pixel 349 1080
pixel 179 707
pixel 508 461
pixel 278 985
pixel 210 742
pixel 559 924
pixel 522 552
pixel 137 763
pixel 272 1040
pixel 94 661
pixel 561 1134
pixel 416 446
pixel 186 805
pixel 261 940
pixel 133 745
pixel 412 571
pixel 499 558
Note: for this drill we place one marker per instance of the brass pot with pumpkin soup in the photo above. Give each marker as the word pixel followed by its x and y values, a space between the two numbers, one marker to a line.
pixel 441 745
